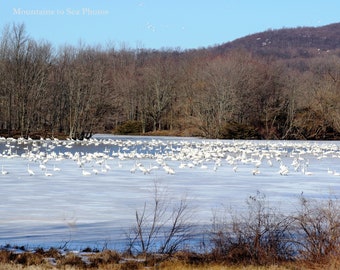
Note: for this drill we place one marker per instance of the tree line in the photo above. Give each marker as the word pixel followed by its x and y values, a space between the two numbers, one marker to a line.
pixel 75 91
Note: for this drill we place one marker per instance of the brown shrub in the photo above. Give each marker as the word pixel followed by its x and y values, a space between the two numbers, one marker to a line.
pixel 29 258
pixel 71 259
pixel 6 256
pixel 131 265
pixel 317 226
pixel 105 257
pixel 257 237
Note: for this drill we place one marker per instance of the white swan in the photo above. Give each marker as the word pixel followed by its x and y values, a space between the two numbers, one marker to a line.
pixel 256 171
pixel 48 174
pixel 168 169
pixel 283 170
pixel 86 173
pixel 30 171
pixel 3 172
pixel 56 169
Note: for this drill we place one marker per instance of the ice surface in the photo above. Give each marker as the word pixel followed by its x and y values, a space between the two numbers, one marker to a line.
pixel 60 204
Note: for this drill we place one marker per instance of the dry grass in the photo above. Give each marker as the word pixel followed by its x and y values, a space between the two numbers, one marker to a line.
pixel 180 266
pixel 111 260
pixel 164 266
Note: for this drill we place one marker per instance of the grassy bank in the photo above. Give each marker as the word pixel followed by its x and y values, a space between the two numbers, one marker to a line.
pixel 112 260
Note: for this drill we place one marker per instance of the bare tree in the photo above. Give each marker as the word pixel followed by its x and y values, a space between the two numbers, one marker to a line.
pixel 58 94
pixel 261 235
pixel 317 226
pixel 216 102
pixel 5 94
pixel 123 89
pixel 159 79
pixel 83 82
pixel 27 65
pixel 161 227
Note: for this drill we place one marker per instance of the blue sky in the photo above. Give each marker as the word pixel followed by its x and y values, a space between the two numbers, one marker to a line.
pixel 156 24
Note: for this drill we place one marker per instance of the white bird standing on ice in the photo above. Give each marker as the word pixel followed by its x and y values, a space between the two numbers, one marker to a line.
pixel 305 171
pixel 133 169
pixel 3 172
pixel 42 166
pixel 270 163
pixel 283 169
pixel 86 173
pixel 168 169
pixel 256 171
pixel 48 174
pixel 56 169
pixel 30 171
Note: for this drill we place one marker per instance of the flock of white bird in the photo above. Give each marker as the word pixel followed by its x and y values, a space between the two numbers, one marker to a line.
pixel 100 155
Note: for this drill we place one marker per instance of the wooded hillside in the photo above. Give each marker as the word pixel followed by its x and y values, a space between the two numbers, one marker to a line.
pixel 279 84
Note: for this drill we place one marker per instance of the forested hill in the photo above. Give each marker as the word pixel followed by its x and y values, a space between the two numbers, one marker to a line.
pixel 278 84
pixel 288 42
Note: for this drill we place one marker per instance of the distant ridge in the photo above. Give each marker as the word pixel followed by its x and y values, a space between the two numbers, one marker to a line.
pixel 287 42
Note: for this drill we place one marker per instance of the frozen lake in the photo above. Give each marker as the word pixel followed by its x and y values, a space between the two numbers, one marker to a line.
pixel 85 193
